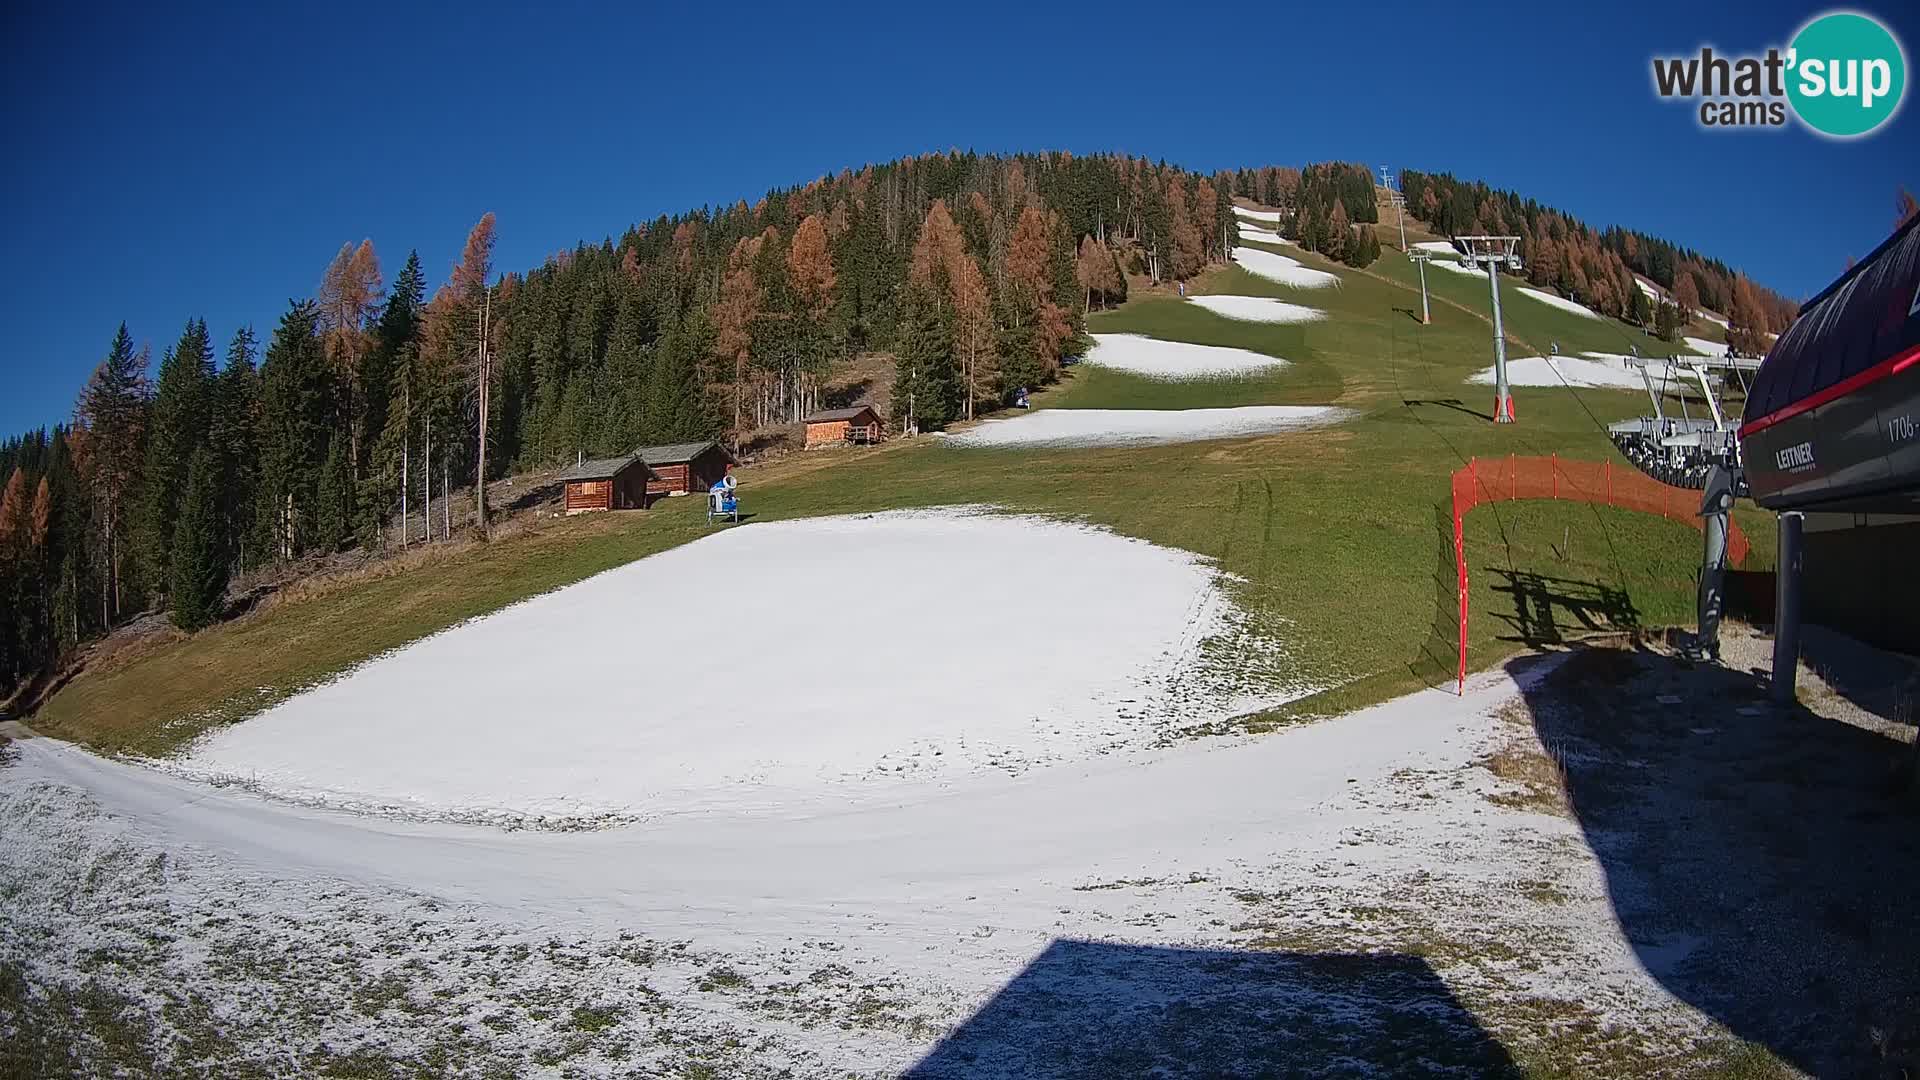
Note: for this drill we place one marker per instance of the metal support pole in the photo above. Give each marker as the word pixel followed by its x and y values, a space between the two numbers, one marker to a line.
pixel 1502 394
pixel 1786 606
pixel 1652 395
pixel 1714 508
pixel 1426 313
pixel 1713 573
pixel 1713 403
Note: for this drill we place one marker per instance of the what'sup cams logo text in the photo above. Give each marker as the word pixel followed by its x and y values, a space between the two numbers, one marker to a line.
pixel 1843 75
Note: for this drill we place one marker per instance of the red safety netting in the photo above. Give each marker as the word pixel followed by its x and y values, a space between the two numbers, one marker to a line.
pixel 1554 477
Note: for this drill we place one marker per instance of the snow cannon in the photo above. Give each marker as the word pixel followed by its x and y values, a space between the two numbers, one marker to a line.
pixel 722 502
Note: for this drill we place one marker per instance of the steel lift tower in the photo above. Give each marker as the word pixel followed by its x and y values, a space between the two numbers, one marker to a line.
pixel 1397 201
pixel 1420 257
pixel 1492 253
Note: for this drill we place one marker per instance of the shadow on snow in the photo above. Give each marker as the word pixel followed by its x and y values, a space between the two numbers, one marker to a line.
pixel 1763 862
pixel 1088 1009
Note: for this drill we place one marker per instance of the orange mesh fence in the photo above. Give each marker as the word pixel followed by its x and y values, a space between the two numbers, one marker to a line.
pixel 1554 477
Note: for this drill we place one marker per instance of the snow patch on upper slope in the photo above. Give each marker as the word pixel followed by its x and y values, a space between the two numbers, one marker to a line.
pixel 1159 359
pixel 1258 309
pixel 1286 271
pixel 1561 302
pixel 1261 236
pixel 1142 427
pixel 1593 370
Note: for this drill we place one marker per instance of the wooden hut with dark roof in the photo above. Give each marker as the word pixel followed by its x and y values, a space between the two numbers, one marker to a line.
pixel 616 483
pixel 680 468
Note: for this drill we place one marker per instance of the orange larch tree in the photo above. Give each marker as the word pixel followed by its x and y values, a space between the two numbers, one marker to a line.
pixel 950 277
pixel 936 251
pixel 1339 231
pixel 42 514
pixel 1746 320
pixel 810 269
pixel 350 291
pixel 13 512
pixel 733 314
pixel 973 330
pixel 1206 217
pixel 1686 295
pixel 1183 234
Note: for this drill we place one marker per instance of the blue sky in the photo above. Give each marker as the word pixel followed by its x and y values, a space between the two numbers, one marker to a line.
pixel 210 161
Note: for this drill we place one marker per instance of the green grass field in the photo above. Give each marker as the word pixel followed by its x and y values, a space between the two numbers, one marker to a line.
pixel 1525 319
pixel 1343 533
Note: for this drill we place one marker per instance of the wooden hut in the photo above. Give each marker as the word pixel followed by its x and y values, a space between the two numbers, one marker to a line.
pixel 684 467
pixel 618 483
pixel 859 424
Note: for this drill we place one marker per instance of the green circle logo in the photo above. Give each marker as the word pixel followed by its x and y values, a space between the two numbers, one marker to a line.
pixel 1846 74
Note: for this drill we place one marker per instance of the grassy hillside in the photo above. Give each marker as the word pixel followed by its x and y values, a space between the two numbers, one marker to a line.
pixel 1343 534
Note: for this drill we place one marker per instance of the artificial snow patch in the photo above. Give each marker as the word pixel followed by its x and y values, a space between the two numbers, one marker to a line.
pixel 1456 265
pixel 1261 236
pixel 1438 247
pixel 1139 427
pixel 1594 370
pixel 771 664
pixel 741 942
pixel 1178 359
pixel 1276 267
pixel 1647 289
pixel 1258 215
pixel 1258 309
pixel 1561 302
pixel 1710 348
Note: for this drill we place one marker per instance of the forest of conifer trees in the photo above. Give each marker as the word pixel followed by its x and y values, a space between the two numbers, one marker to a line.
pixel 973 272
pixel 1596 267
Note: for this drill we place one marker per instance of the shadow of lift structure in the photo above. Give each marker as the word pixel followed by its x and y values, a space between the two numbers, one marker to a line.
pixel 1083 1010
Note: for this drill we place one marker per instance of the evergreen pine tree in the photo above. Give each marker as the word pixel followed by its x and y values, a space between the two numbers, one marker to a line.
pixel 926 387
pixel 392 332
pixel 178 422
pixel 1666 322
pixel 1642 308
pixel 1339 236
pixel 233 433
pixel 333 499
pixel 198 566
pixel 674 409
pixel 113 409
pixel 400 406
pixel 295 419
pixel 1364 249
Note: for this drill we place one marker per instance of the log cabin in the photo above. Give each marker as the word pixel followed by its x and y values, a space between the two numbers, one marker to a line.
pixel 618 483
pixel 859 424
pixel 680 468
